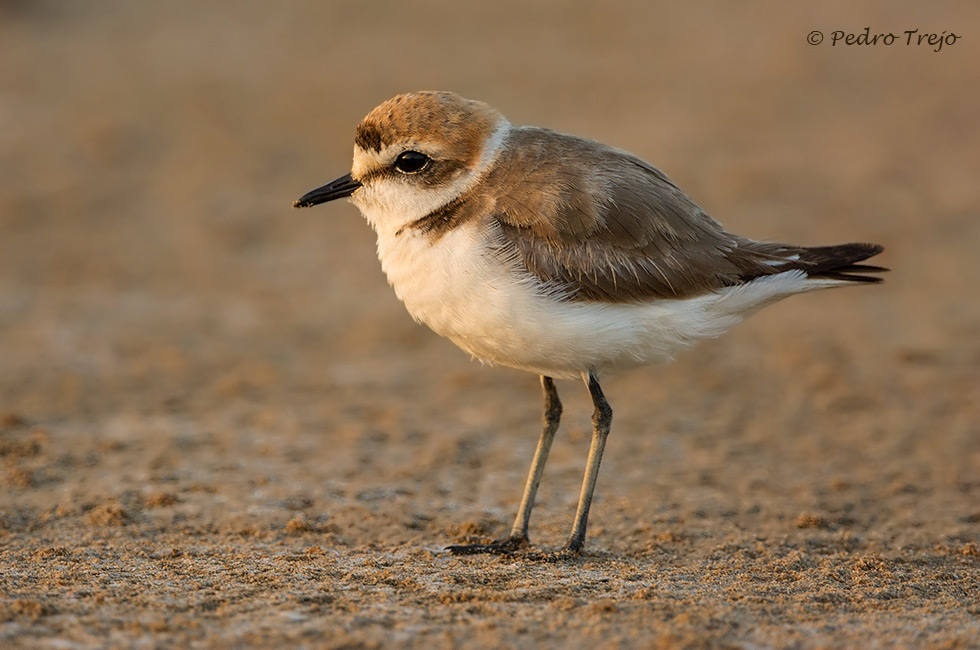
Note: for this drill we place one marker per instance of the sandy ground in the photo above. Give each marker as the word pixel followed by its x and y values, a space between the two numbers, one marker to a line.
pixel 219 428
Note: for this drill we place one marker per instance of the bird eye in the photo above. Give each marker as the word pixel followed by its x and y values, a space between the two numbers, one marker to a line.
pixel 410 162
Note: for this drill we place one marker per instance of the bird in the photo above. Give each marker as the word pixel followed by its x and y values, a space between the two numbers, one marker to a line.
pixel 558 255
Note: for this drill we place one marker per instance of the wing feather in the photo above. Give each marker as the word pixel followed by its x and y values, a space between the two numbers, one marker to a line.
pixel 602 225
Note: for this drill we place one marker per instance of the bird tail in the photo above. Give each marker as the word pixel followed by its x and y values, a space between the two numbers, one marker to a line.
pixel 799 269
pixel 834 265
pixel 840 262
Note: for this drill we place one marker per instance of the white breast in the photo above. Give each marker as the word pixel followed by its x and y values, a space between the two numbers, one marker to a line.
pixel 456 286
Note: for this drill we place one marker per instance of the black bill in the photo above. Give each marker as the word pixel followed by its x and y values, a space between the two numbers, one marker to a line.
pixel 338 189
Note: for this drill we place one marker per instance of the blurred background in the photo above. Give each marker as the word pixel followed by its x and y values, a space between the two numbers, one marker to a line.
pixel 157 289
pixel 212 405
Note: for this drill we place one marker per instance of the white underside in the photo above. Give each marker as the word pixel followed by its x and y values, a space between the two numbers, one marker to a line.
pixel 502 315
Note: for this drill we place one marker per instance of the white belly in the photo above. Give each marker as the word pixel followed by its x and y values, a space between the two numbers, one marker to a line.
pixel 500 315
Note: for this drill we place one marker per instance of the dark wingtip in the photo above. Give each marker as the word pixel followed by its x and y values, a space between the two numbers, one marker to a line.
pixel 838 262
pixel 860 269
pixel 856 252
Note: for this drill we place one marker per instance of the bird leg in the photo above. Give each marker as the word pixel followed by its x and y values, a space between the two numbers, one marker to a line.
pixel 601 421
pixel 518 537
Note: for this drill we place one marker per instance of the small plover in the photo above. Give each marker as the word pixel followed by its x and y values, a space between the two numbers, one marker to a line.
pixel 556 254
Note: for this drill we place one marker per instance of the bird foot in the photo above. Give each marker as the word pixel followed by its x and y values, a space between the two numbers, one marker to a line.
pixel 506 546
pixel 518 546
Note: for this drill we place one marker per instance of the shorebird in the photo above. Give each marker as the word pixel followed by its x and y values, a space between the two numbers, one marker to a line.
pixel 558 255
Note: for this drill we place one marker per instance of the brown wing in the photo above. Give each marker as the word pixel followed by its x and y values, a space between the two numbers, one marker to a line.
pixel 645 239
